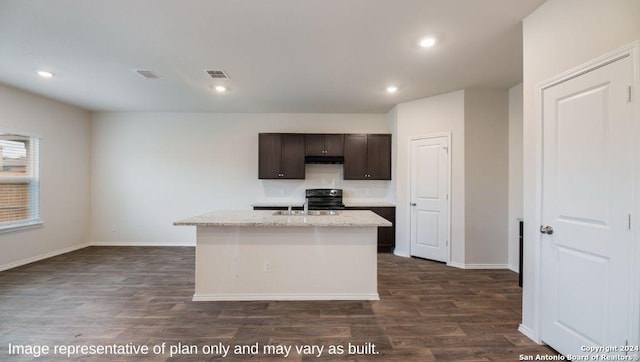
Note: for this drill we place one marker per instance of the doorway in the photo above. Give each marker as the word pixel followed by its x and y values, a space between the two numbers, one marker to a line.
pixel 586 238
pixel 430 165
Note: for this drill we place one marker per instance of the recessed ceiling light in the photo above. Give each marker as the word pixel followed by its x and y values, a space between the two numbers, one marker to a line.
pixel 220 88
pixel 392 89
pixel 427 42
pixel 45 74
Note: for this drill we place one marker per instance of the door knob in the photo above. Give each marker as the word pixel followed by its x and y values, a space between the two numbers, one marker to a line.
pixel 546 230
pixel 413 204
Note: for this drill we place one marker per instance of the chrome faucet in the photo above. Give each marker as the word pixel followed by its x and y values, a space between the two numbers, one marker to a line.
pixel 289 210
pixel 305 206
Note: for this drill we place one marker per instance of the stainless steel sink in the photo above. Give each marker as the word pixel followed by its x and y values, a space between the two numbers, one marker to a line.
pixel 308 213
pixel 323 212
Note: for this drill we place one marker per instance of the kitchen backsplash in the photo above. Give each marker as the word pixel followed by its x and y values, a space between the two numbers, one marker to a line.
pixel 324 176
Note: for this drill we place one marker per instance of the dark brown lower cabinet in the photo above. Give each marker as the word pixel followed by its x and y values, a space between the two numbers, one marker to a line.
pixel 386 235
pixel 276 208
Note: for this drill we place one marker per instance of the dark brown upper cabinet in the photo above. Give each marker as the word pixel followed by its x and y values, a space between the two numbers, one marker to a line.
pixel 324 144
pixel 280 156
pixel 367 157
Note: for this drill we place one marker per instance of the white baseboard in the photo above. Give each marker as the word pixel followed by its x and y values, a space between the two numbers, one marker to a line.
pixel 402 254
pixel 477 266
pixel 529 334
pixel 250 297
pixel 486 266
pixel 133 243
pixel 513 268
pixel 43 256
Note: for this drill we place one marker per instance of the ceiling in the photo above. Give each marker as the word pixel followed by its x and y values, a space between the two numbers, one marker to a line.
pixel 307 56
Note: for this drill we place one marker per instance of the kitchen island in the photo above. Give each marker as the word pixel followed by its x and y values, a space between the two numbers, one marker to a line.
pixel 265 255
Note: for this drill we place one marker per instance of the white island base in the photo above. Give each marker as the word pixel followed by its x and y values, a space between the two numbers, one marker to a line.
pixel 244 263
pixel 267 255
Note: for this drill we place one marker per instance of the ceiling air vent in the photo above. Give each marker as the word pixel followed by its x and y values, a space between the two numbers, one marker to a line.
pixel 217 74
pixel 149 74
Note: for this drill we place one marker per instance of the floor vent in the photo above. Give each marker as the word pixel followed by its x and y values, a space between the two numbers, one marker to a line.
pixel 217 74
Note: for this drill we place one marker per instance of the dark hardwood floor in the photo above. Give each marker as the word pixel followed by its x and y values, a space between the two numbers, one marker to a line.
pixel 137 296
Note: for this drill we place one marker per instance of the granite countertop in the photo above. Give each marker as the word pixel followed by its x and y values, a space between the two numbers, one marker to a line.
pixel 345 218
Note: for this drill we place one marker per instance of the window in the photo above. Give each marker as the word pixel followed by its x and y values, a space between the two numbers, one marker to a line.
pixel 19 181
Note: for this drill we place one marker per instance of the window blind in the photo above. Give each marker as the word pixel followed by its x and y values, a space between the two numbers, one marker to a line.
pixel 19 181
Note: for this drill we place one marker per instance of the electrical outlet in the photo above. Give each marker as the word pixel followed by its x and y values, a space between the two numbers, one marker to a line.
pixel 114 228
pixel 267 266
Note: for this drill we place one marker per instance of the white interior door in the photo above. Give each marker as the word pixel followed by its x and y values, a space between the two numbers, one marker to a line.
pixel 430 198
pixel 587 199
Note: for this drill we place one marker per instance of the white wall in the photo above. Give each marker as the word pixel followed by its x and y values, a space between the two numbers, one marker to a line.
pixel 478 122
pixel 64 171
pixel 486 177
pixel 558 36
pixel 515 175
pixel 151 169
pixel 442 113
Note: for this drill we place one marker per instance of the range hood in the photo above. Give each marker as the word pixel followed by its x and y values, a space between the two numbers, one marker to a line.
pixel 324 159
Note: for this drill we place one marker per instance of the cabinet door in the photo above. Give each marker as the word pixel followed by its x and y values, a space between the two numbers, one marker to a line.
pixel 379 156
pixel 292 156
pixel 355 157
pixel 314 145
pixel 269 155
pixel 386 235
pixel 334 145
